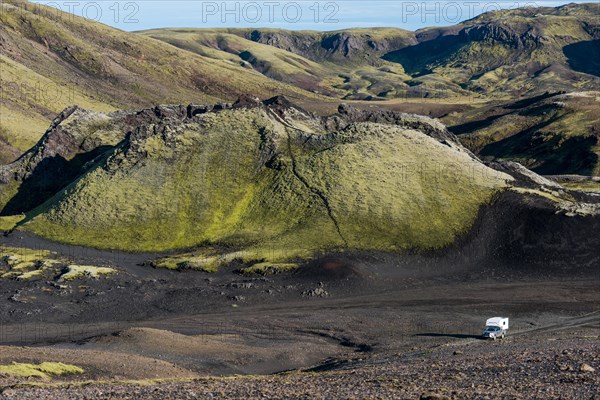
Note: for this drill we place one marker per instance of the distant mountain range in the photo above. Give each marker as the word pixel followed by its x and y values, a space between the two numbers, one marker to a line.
pixel 497 54
pixel 51 60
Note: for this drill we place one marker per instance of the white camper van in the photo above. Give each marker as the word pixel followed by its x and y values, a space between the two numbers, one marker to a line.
pixel 495 328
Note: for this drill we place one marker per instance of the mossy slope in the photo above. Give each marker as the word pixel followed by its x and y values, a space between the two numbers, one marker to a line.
pixel 274 178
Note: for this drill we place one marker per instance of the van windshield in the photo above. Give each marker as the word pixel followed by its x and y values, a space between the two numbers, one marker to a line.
pixel 492 328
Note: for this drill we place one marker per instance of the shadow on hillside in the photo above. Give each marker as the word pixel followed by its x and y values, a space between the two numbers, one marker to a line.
pixel 471 126
pixel 553 154
pixel 584 56
pixel 531 100
pixel 49 177
pixel 415 58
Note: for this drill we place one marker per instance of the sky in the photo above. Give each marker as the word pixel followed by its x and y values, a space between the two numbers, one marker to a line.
pixel 323 15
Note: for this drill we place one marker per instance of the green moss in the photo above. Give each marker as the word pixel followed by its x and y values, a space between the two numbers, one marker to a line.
pixel 587 186
pixel 216 182
pixel 16 255
pixel 550 195
pixel 8 223
pixel 210 259
pixel 206 261
pixel 22 370
pixel 7 192
pixel 45 370
pixel 30 274
pixel 85 271
pixel 402 202
pixel 25 264
pixel 268 268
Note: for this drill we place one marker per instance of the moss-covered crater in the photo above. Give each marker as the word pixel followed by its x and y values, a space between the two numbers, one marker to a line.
pixel 271 177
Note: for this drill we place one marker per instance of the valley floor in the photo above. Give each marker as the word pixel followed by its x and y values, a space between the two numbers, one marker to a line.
pixel 547 366
pixel 349 326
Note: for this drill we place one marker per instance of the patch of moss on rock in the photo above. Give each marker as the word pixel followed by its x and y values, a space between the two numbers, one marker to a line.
pixel 85 271
pixel 25 264
pixel 8 223
pixel 45 370
pixel 269 268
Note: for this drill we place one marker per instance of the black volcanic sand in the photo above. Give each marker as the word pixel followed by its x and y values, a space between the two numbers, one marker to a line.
pixel 341 311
